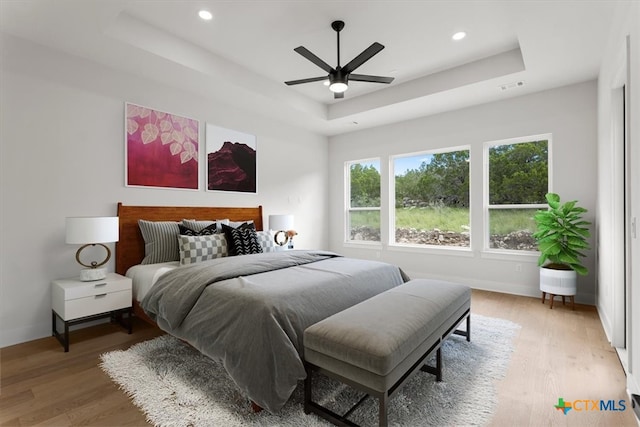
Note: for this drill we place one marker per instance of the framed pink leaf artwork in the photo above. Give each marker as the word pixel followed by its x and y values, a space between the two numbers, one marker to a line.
pixel 161 149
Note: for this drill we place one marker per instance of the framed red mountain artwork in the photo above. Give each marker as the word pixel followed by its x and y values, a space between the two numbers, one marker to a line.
pixel 231 160
pixel 161 149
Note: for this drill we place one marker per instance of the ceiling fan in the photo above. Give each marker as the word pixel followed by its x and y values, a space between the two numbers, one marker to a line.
pixel 339 76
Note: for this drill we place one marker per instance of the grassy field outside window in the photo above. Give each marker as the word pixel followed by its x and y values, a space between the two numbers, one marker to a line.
pixel 517 174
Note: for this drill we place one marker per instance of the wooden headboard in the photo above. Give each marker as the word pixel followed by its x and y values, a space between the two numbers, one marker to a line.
pixel 130 246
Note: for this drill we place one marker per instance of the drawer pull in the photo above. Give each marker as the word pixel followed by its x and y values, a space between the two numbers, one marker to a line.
pixel 100 284
pixel 100 296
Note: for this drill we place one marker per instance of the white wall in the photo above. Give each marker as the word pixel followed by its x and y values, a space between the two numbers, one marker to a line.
pixel 627 23
pixel 62 154
pixel 568 113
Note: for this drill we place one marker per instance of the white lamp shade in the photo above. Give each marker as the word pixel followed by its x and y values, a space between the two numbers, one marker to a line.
pixel 86 230
pixel 281 222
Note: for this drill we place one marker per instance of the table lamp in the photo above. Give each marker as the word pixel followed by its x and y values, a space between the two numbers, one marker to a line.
pixel 283 226
pixel 92 231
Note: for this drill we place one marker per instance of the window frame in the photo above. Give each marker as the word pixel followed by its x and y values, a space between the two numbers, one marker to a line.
pixel 349 209
pixel 392 203
pixel 486 206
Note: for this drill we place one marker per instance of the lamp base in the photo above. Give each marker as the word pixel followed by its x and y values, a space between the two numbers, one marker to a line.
pixel 91 274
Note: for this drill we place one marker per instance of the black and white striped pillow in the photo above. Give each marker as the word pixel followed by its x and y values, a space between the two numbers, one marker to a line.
pixel 242 240
pixel 195 249
pixel 160 244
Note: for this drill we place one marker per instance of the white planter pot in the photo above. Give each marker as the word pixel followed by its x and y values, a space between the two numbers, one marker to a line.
pixel 558 282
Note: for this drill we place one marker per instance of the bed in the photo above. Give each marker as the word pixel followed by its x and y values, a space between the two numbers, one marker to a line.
pixel 248 311
pixel 130 247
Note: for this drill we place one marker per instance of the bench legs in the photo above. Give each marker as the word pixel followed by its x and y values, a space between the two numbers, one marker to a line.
pixel 435 370
pixel 342 420
pixel 383 397
pixel 466 333
pixel 383 413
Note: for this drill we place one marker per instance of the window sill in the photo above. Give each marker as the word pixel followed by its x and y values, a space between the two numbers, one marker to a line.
pixel 362 244
pixel 429 249
pixel 520 256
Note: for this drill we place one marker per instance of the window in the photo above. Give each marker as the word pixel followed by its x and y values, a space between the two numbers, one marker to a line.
pixel 517 179
pixel 363 205
pixel 432 198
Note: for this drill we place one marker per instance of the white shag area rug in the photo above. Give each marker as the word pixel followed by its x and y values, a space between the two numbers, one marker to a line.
pixel 175 385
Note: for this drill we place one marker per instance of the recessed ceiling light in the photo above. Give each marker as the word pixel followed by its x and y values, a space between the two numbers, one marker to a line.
pixel 206 15
pixel 326 83
pixel 459 35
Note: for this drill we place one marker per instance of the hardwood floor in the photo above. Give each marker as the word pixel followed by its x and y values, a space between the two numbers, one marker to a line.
pixel 42 385
pixel 558 353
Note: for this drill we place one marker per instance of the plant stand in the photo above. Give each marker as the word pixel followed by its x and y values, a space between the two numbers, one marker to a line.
pixel 558 283
pixel 552 296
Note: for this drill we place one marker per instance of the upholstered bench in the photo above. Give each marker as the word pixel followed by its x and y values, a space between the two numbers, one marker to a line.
pixel 377 345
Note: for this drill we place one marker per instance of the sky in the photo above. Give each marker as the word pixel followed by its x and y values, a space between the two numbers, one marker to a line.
pixel 403 164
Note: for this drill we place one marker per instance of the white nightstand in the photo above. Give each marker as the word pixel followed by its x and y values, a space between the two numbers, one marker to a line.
pixel 74 301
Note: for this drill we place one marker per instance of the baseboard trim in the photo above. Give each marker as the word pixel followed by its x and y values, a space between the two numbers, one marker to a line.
pixel 504 288
pixel 14 336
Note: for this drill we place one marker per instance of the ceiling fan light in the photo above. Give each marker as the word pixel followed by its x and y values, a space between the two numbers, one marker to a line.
pixel 205 15
pixel 338 87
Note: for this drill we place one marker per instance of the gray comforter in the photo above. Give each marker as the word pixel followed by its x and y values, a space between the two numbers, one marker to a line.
pixel 250 311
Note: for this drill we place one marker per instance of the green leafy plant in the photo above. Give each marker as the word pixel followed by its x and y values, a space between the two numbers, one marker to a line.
pixel 562 234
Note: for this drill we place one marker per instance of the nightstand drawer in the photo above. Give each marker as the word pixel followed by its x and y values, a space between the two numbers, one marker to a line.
pixel 71 289
pixel 93 304
pixel 74 301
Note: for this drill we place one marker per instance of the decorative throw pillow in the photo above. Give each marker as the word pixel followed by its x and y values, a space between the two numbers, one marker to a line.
pixel 265 239
pixel 160 243
pixel 242 240
pixel 236 224
pixel 206 231
pixel 198 225
pixel 247 225
pixel 201 248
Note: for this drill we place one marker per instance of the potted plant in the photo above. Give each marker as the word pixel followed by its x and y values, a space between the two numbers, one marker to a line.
pixel 562 237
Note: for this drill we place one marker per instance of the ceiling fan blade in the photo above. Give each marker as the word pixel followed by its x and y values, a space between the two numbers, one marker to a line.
pixel 372 79
pixel 338 95
pixel 313 58
pixel 309 80
pixel 363 57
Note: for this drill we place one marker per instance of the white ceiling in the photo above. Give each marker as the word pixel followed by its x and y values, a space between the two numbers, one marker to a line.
pixel 245 53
